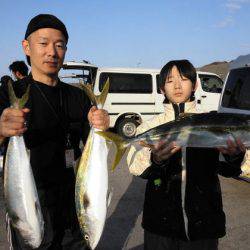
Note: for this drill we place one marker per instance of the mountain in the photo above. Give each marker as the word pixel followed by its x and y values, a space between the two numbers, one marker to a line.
pixel 219 68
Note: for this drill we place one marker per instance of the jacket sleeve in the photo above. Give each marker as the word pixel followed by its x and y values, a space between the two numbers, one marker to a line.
pixel 154 169
pixel 231 167
pixel 4 98
pixel 245 166
pixel 86 105
pixel 139 158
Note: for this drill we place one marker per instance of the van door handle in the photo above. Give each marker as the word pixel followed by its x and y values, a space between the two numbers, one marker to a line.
pixel 203 96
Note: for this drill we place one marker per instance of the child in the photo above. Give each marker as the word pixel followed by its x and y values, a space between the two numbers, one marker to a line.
pixel 182 212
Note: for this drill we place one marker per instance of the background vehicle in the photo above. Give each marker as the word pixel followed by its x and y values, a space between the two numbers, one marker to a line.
pixel 134 94
pixel 235 98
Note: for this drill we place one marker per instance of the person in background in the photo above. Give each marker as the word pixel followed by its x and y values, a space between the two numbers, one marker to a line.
pixel 19 69
pixel 5 79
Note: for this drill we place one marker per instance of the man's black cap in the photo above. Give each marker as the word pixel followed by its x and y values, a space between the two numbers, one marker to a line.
pixel 45 21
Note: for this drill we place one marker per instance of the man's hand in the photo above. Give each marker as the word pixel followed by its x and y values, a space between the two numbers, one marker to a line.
pixel 12 122
pixel 233 148
pixel 99 118
pixel 162 150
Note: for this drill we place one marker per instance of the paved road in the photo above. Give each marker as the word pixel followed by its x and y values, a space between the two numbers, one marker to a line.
pixel 123 230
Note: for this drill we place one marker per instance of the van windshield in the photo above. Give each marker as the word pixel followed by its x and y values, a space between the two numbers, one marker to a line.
pixel 127 83
pixel 237 89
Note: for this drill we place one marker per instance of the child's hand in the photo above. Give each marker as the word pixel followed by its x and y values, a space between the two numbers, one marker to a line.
pixel 233 148
pixel 163 150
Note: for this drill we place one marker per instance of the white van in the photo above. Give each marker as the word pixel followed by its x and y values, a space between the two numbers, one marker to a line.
pixel 134 95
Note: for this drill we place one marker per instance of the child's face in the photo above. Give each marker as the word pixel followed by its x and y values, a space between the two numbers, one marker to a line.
pixel 177 88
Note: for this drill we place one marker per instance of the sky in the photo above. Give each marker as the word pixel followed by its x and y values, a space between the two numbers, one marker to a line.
pixel 134 33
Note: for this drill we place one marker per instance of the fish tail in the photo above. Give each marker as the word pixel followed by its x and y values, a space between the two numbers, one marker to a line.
pixel 120 143
pixel 100 99
pixel 97 100
pixel 88 89
pixel 17 102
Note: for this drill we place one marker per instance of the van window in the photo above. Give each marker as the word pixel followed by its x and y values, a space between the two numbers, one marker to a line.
pixel 210 83
pixel 237 89
pixel 127 83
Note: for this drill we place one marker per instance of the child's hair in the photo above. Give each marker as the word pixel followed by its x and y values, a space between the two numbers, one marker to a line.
pixel 185 68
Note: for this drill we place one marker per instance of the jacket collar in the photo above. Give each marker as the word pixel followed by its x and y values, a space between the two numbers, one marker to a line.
pixel 175 110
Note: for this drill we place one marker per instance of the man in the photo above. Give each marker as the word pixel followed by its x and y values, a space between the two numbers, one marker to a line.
pixel 19 69
pixel 53 121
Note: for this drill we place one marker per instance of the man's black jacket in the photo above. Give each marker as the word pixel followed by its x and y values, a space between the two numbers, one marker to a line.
pixel 48 135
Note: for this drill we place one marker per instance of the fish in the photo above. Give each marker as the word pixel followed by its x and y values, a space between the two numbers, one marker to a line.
pixel 91 189
pixel 21 197
pixel 206 130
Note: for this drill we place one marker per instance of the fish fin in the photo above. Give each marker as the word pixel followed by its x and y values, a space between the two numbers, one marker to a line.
pixel 183 115
pixel 15 220
pixel 17 102
pixel 147 145
pixel 12 96
pixel 85 201
pixel 88 89
pixel 36 207
pixel 120 144
pixel 100 99
pixel 109 197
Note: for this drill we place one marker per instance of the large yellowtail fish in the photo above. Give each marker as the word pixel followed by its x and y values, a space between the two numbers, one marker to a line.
pixel 207 130
pixel 91 190
pixel 22 202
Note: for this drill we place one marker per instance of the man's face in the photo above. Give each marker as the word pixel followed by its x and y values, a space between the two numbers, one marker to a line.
pixel 177 88
pixel 46 48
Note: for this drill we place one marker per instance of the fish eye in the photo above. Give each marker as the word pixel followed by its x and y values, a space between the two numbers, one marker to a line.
pixel 86 237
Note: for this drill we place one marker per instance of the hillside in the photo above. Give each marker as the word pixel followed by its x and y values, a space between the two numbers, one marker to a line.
pixel 219 68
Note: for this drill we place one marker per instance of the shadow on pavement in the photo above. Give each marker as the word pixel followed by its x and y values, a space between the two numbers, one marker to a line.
pixel 137 248
pixel 119 226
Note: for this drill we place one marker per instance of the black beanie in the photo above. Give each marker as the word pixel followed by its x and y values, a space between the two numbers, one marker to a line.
pixel 45 21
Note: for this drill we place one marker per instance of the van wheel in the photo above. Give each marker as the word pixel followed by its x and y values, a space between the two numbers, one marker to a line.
pixel 127 127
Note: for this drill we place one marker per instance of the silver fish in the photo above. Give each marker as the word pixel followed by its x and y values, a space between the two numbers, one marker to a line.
pixel 22 202
pixel 207 130
pixel 91 190
pixel 189 130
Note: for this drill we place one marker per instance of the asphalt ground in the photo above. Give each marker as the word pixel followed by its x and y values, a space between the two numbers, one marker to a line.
pixel 123 229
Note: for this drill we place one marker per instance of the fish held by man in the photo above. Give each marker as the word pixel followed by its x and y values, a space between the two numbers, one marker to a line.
pixel 21 197
pixel 91 190
pixel 208 130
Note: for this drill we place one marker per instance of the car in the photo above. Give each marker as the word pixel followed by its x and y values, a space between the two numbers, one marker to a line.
pixel 235 98
pixel 134 94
